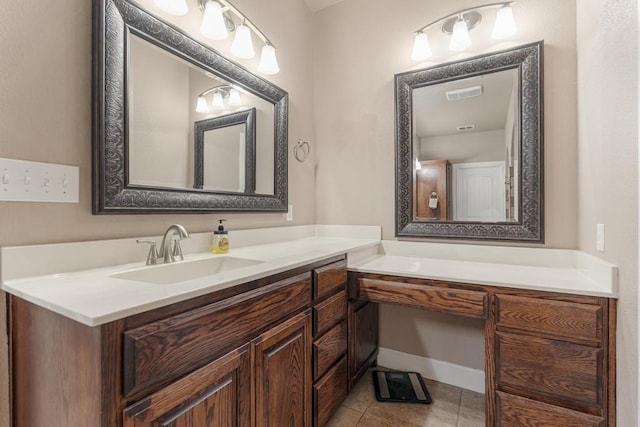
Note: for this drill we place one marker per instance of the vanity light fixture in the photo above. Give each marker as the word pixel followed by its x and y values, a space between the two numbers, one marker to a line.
pixel 217 102
pixel 218 22
pixel 459 24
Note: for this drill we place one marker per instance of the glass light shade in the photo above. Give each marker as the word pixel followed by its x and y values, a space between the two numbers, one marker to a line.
pixel 213 25
pixel 174 7
pixel 234 98
pixel 201 105
pixel 421 48
pixel 268 62
pixel 218 102
pixel 242 46
pixel 505 25
pixel 460 37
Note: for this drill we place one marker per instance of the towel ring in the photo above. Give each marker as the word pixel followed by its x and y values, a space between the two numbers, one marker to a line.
pixel 301 150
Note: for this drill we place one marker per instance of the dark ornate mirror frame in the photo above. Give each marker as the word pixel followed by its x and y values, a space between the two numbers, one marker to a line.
pixel 528 61
pixel 247 118
pixel 114 20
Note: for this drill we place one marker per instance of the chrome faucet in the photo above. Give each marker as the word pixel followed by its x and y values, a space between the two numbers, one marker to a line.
pixel 166 253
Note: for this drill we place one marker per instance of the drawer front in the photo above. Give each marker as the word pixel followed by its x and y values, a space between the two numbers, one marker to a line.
pixel 329 392
pixel 329 312
pixel 167 349
pixel 560 370
pixel 448 300
pixel 519 411
pixel 329 278
pixel 329 348
pixel 565 319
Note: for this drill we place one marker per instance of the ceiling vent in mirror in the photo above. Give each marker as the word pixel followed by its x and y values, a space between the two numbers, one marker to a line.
pixel 465 127
pixel 464 93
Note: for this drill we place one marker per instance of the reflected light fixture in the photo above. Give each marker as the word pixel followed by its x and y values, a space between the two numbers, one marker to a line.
pixel 173 7
pixel 459 24
pixel 217 102
pixel 219 20
pixel 418 165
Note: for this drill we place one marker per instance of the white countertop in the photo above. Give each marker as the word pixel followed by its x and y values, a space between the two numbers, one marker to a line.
pixel 94 297
pixel 550 270
pixel 77 279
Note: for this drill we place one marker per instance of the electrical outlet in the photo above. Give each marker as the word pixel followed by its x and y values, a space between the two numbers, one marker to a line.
pixel 600 237
pixel 290 213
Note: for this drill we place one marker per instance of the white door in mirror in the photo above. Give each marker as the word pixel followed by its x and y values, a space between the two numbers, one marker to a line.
pixel 24 181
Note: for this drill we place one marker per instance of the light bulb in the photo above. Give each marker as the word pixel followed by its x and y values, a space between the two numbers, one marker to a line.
pixel 268 62
pixel 505 25
pixel 174 7
pixel 201 105
pixel 421 48
pixel 218 102
pixel 460 37
pixel 242 46
pixel 234 98
pixel 213 25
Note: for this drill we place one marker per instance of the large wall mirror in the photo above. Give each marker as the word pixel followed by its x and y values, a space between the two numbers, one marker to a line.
pixel 469 148
pixel 155 148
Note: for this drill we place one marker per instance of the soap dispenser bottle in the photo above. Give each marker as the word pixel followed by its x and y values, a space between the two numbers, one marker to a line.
pixel 220 241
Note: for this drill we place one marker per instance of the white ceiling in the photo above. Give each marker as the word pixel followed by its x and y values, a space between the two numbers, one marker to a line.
pixel 316 5
pixel 435 116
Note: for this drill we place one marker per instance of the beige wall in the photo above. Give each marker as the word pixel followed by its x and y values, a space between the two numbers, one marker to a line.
pixel 360 45
pixel 607 38
pixel 470 147
pixel 45 115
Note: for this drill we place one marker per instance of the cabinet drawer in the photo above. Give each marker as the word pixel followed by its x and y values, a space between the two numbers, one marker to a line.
pixel 329 348
pixel 448 300
pixel 519 411
pixel 167 349
pixel 329 312
pixel 565 319
pixel 560 370
pixel 329 392
pixel 329 278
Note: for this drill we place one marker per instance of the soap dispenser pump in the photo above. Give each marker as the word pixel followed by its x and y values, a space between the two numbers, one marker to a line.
pixel 220 241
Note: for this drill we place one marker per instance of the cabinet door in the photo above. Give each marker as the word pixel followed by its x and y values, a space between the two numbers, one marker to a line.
pixel 217 395
pixel 283 374
pixel 363 338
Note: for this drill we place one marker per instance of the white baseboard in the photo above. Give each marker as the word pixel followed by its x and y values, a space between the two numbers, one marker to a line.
pixel 444 372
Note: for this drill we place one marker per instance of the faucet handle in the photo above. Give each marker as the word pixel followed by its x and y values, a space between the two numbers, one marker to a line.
pixel 177 250
pixel 152 256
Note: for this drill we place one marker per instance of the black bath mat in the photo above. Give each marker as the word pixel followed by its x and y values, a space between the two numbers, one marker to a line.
pixel 395 386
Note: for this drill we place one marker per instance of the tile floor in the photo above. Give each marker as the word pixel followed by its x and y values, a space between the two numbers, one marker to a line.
pixel 451 407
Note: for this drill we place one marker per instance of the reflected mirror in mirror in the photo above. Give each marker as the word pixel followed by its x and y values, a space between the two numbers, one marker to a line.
pixel 167 97
pixel 467 146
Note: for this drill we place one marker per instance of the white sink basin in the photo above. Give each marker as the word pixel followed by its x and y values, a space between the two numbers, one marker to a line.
pixel 186 270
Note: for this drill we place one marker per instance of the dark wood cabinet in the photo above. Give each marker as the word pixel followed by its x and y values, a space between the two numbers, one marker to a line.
pixel 283 374
pixel 549 357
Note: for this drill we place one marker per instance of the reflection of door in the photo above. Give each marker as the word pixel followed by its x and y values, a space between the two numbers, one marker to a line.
pixel 478 192
pixel 433 181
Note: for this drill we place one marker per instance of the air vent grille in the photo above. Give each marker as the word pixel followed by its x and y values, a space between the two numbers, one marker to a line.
pixel 466 127
pixel 464 93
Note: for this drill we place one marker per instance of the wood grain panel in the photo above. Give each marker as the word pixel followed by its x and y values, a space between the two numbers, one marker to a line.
pixel 515 411
pixel 283 374
pixel 213 396
pixel 329 312
pixel 165 350
pixel 449 300
pixel 565 319
pixel 363 338
pixel 56 369
pixel 329 348
pixel 564 371
pixel 329 392
pixel 329 279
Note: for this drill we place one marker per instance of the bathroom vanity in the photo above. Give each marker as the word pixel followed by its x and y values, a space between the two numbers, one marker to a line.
pixel 281 339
